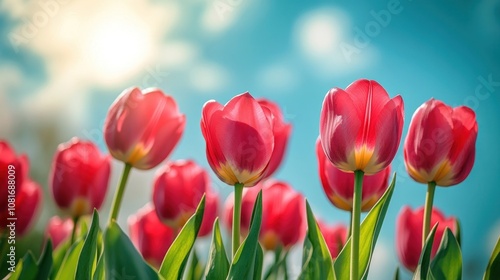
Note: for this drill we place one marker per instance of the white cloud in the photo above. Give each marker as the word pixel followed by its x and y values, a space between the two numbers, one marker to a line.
pixel 383 262
pixel 278 77
pixel 208 77
pixel 324 38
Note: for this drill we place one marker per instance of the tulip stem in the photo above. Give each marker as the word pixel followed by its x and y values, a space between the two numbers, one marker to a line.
pixel 238 193
pixel 356 213
pixel 429 199
pixel 117 200
pixel 350 225
pixel 73 231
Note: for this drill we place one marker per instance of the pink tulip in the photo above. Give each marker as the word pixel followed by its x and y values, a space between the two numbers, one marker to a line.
pixel 150 236
pixel 441 143
pixel 283 216
pixel 281 131
pixel 239 139
pixel 335 237
pixel 338 185
pixel 58 230
pixel 79 177
pixel 360 128
pixel 142 128
pixel 13 171
pixel 409 234
pixel 178 189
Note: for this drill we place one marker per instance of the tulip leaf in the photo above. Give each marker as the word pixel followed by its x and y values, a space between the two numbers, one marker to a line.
pixel 45 261
pixel 58 257
pixel 195 270
pixel 370 229
pixel 26 269
pixel 259 263
pixel 99 269
pixel 493 268
pixel 68 266
pixel 218 265
pixel 423 272
pixel 316 259
pixel 87 260
pixel 121 259
pixel 447 263
pixel 396 274
pixel 244 261
pixel 177 255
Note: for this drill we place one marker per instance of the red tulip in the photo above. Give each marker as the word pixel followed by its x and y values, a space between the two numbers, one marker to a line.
pixel 440 145
pixel 281 131
pixel 239 139
pixel 360 128
pixel 149 235
pixel 27 203
pixel 409 234
pixel 142 128
pixel 338 185
pixel 335 237
pixel 58 230
pixel 13 171
pixel 79 177
pixel 283 214
pixel 178 189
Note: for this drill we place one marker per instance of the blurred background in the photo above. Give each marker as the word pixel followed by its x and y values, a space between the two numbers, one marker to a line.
pixel 62 63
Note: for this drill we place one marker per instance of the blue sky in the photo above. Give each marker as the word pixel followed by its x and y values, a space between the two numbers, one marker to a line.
pixel 63 63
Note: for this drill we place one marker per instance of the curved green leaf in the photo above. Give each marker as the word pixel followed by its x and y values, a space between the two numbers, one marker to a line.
pixel 423 272
pixel 396 274
pixel 218 265
pixel 316 259
pixel 70 262
pixel 447 263
pixel 99 269
pixel 122 261
pixel 244 261
pixel 57 257
pixel 370 229
pixel 259 263
pixel 493 268
pixel 177 255
pixel 87 260
pixel 45 261
pixel 26 269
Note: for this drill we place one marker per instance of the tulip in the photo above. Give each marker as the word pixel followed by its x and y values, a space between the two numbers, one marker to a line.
pixel 281 132
pixel 409 233
pixel 338 185
pixel 360 131
pixel 142 128
pixel 283 214
pixel 178 189
pixel 335 237
pixel 13 171
pixel 149 235
pixel 58 230
pixel 27 203
pixel 79 177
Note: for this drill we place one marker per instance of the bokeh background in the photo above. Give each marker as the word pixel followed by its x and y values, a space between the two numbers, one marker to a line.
pixel 62 63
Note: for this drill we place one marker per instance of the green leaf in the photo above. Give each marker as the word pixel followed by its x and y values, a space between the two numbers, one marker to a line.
pixel 493 268
pixel 316 259
pixel 423 272
pixel 177 255
pixel 259 263
pixel 26 269
pixel 370 229
pixel 87 259
pixel 218 265
pixel 45 261
pixel 396 274
pixel 447 263
pixel 244 261
pixel 99 269
pixel 70 262
pixel 58 257
pixel 195 271
pixel 122 261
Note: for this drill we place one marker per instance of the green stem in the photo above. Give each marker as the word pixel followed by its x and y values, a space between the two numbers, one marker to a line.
pixel 238 193
pixel 73 231
pixel 429 199
pixel 356 213
pixel 117 200
pixel 350 225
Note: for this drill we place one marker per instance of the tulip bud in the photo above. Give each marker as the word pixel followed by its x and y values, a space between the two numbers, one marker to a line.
pixel 335 237
pixel 239 139
pixel 58 230
pixel 142 128
pixel 79 177
pixel 13 171
pixel 441 143
pixel 360 128
pixel 283 214
pixel 409 234
pixel 338 185
pixel 150 236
